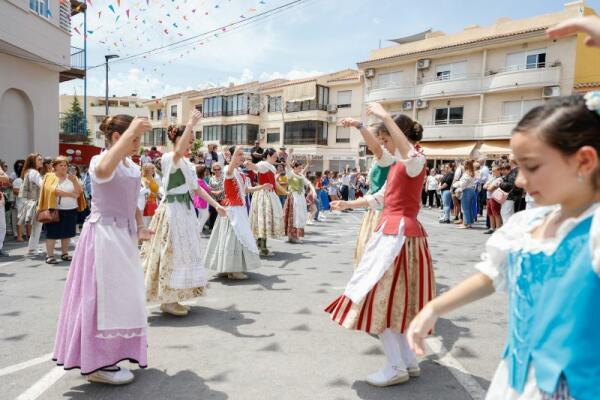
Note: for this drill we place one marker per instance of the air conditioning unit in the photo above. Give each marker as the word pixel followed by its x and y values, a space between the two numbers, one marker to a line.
pixel 422 104
pixel 370 73
pixel 332 108
pixel 424 63
pixel 407 106
pixel 551 91
pixel 332 119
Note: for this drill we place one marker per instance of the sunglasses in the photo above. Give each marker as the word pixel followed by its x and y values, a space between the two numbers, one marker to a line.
pixel 216 169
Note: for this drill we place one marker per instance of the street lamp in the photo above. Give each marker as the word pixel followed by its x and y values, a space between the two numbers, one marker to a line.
pixel 107 57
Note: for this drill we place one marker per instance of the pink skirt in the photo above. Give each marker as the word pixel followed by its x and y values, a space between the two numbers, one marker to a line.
pixel 78 342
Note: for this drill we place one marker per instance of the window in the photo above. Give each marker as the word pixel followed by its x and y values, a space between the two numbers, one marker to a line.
pixel 275 104
pixel 449 115
pixel 390 79
pixel 244 134
pixel 151 114
pixel 159 114
pixel 451 71
pixel 342 134
pixel 273 135
pixel 212 133
pixel 174 111
pixel 155 137
pixel 311 105
pixel 40 7
pixel 514 110
pixel 305 132
pixel 344 99
pixel 531 59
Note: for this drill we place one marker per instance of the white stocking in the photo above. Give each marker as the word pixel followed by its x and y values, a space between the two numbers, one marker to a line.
pixel 392 351
pixel 408 356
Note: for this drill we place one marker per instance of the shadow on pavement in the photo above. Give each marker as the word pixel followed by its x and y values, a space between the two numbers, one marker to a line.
pixel 265 281
pixel 151 384
pixel 227 320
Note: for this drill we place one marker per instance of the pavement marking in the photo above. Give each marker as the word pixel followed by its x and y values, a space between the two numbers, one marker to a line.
pixel 6 264
pixel 460 373
pixel 26 364
pixel 39 387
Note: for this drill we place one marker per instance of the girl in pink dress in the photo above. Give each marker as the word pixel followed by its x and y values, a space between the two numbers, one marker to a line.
pixel 103 316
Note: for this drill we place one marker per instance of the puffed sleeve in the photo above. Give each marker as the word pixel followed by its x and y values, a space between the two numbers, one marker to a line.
pixel 93 164
pixel 263 167
pixel 494 260
pixel 386 159
pixel 414 163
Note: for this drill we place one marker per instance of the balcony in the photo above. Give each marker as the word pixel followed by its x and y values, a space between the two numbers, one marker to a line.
pixel 469 130
pixel 514 78
pixel 72 128
pixel 77 70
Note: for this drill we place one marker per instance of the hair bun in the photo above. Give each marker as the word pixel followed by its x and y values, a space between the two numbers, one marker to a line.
pixel 105 125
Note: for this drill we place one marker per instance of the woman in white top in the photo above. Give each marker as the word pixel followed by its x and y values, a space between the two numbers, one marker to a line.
pixel 431 186
pixel 61 191
pixel 30 192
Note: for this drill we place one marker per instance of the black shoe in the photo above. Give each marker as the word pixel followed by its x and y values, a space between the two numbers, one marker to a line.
pixel 444 221
pixel 3 253
pixel 488 232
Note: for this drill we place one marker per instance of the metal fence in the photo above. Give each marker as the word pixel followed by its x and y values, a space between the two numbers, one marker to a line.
pixel 77 58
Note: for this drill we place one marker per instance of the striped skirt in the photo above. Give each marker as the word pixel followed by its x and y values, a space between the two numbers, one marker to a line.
pixel 369 222
pixel 405 288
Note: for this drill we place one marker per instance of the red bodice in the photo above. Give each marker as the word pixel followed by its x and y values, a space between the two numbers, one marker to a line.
pixel 232 193
pixel 402 201
pixel 267 177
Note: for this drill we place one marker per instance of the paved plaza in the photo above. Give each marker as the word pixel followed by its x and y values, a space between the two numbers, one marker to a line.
pixel 265 338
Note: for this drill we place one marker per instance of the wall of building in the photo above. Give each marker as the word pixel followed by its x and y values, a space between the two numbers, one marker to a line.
pixel 28 109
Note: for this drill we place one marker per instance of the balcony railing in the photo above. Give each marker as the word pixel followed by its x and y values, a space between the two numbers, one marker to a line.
pixel 300 141
pixel 77 58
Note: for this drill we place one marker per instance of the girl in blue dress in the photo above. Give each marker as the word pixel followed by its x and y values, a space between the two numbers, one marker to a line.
pixel 547 259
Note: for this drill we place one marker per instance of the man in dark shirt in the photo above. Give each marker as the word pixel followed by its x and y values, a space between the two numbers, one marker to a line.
pixel 515 194
pixel 257 152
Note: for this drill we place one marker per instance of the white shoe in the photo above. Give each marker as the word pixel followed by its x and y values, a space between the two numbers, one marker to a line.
pixel 121 377
pixel 388 376
pixel 237 276
pixel 414 371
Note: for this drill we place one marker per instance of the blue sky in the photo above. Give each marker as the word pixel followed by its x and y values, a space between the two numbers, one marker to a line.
pixel 315 37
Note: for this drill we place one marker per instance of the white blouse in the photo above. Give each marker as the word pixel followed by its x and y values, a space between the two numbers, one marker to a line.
pixel 516 235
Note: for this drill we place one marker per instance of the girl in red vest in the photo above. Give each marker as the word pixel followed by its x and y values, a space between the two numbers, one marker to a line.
pixel 394 278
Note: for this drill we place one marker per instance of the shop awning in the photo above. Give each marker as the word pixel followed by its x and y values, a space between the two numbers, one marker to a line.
pixel 447 150
pixel 465 149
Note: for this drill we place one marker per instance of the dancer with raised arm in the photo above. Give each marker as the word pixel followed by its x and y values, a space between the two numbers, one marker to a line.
pixel 103 315
pixel 174 259
pixel 232 250
pixel 394 278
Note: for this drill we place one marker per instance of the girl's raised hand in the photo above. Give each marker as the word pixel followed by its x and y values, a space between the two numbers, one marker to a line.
pixel 589 25
pixel 377 110
pixel 194 118
pixel 139 126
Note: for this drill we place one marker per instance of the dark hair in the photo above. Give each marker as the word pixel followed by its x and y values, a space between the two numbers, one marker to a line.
pixel 469 167
pixel 269 152
pixel 232 150
pixel 18 167
pixel 200 170
pixel 175 131
pixel 296 164
pixel 117 123
pixel 318 174
pixel 565 124
pixel 413 130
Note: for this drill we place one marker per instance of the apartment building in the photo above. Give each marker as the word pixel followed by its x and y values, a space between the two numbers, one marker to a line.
pixel 300 114
pixel 131 105
pixel 470 88
pixel 30 72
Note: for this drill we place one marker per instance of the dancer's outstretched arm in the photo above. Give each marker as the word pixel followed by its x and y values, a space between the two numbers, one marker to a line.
pixel 220 209
pixel 182 145
pixel 474 288
pixel 121 148
pixel 367 134
pixel 400 140
pixel 343 204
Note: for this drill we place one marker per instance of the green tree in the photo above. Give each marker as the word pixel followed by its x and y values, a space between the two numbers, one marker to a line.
pixel 73 122
pixel 198 144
